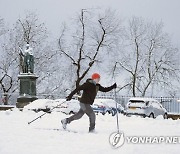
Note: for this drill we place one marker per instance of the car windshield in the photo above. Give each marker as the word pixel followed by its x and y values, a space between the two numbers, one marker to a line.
pixel 136 101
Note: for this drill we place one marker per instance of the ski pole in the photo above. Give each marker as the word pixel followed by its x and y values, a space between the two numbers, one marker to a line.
pixel 46 113
pixel 117 116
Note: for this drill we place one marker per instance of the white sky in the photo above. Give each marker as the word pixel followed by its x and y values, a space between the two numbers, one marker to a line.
pixel 54 12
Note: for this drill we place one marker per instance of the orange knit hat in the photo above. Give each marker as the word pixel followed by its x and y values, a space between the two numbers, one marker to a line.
pixel 95 76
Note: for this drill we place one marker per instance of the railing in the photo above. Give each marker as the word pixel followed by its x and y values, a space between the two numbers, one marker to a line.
pixel 171 104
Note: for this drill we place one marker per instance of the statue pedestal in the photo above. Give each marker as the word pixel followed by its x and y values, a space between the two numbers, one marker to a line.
pixel 27 92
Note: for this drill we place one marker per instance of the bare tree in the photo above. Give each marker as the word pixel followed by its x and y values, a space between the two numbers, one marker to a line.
pixel 30 30
pixel 27 30
pixel 148 56
pixel 8 82
pixel 46 57
pixel 92 34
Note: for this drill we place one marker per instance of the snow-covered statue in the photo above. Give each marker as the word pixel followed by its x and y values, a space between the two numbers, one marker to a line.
pixel 28 60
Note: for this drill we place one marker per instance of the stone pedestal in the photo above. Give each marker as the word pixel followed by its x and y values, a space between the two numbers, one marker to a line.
pixel 27 92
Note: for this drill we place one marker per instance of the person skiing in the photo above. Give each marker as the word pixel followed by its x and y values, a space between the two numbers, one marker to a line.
pixel 90 89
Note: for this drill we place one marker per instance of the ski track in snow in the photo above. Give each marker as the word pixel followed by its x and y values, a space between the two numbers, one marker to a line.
pixel 17 137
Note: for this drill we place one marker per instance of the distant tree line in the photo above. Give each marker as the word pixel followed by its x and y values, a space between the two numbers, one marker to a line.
pixel 136 51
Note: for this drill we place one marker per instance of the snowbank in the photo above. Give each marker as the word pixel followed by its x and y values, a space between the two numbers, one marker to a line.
pixel 17 137
pixel 44 104
pixel 47 103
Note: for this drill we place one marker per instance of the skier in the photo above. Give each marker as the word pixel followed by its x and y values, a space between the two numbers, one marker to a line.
pixel 90 89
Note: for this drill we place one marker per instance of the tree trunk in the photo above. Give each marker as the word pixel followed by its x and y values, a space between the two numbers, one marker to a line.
pixel 5 99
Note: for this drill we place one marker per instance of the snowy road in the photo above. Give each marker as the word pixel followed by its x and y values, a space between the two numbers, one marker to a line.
pixel 17 137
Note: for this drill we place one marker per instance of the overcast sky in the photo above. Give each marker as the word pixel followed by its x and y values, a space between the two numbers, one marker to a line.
pixel 54 12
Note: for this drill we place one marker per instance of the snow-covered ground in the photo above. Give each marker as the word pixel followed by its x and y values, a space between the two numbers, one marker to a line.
pixel 17 137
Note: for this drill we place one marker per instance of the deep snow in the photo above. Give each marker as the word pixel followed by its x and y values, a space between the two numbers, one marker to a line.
pixel 17 137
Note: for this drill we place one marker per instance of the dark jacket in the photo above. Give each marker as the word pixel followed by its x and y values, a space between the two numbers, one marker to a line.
pixel 90 89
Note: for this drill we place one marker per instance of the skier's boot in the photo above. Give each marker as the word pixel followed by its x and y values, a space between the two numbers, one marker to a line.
pixel 64 123
pixel 92 128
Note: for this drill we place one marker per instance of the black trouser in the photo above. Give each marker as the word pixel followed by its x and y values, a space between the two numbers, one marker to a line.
pixel 84 108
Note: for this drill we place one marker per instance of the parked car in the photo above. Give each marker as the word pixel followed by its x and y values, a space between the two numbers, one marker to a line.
pixel 112 104
pixel 146 107
pixel 99 107
pixel 69 107
pixel 106 106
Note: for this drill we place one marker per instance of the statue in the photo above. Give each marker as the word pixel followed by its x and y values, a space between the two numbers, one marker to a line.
pixel 27 60
pixel 27 78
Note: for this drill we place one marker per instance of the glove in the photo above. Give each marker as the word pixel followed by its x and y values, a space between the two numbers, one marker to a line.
pixel 114 85
pixel 68 98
